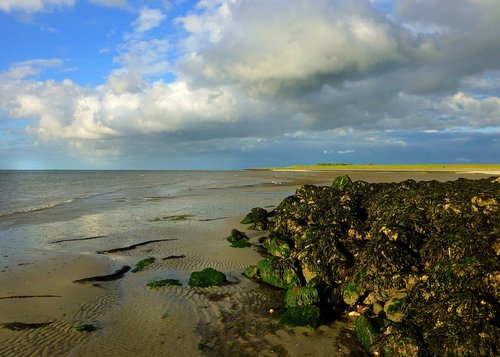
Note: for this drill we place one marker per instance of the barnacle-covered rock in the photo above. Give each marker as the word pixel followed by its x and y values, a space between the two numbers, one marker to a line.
pixel 423 257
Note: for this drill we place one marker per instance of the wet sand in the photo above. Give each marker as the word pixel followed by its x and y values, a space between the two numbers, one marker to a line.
pixel 131 319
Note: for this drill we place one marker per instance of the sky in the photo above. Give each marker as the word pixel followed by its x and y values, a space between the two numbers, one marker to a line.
pixel 232 84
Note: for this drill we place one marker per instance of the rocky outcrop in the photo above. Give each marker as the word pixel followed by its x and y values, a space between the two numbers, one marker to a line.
pixel 421 259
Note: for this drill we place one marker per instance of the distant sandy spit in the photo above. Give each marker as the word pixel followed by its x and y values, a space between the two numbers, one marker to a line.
pixel 485 172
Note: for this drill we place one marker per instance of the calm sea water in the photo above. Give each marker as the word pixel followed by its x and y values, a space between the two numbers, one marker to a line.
pixel 27 191
pixel 40 207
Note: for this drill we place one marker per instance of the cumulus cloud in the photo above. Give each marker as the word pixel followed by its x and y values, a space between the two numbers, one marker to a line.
pixel 245 42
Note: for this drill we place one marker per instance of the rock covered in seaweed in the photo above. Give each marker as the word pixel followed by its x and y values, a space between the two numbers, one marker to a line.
pixel 258 218
pixel 238 239
pixel 423 258
pixel 206 278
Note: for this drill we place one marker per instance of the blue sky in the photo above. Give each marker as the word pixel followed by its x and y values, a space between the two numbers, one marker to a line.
pixel 214 84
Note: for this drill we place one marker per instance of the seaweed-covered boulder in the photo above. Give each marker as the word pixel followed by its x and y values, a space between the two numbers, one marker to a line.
pixel 258 218
pixel 422 257
pixel 238 239
pixel 206 278
pixel 236 236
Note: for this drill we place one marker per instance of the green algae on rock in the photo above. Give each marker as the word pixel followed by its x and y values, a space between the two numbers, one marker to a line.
pixel 296 296
pixel 251 272
pixel 341 182
pixel 241 244
pixel 277 273
pixel 277 247
pixel 365 332
pixel 307 316
pixel 206 278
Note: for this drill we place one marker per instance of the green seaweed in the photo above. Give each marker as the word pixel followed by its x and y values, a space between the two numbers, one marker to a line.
pixel 207 277
pixel 341 182
pixel 83 328
pixel 307 316
pixel 362 273
pixel 251 272
pixel 174 218
pixel 300 296
pixel 365 332
pixel 248 219
pixel 164 282
pixel 142 264
pixel 277 273
pixel 277 247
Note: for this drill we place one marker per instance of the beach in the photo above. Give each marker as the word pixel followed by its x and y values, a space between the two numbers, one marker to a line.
pixel 59 228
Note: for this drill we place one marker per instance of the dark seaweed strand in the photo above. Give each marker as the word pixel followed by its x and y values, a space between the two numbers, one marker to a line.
pixel 19 326
pixel 118 274
pixel 133 246
pixel 28 296
pixel 77 239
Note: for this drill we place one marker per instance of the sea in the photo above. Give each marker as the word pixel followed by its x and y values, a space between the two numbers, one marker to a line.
pixel 27 191
pixel 40 207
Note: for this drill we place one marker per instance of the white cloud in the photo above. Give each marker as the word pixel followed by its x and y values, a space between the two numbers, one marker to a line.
pixel 112 3
pixel 32 5
pixel 68 111
pixel 30 68
pixel 148 19
pixel 246 43
pixel 348 151
pixel 474 112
